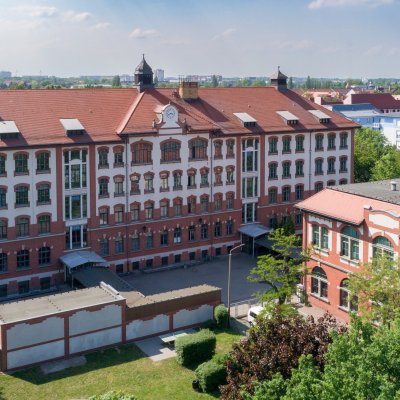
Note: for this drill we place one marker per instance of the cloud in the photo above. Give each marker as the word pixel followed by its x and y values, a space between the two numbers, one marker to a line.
pixel 77 17
pixel 291 44
pixel 224 34
pixel 139 33
pixel 317 4
pixel 380 50
pixel 37 11
pixel 100 25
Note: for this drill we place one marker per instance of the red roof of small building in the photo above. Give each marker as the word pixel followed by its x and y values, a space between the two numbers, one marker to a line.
pixel 105 113
pixel 344 206
pixel 381 101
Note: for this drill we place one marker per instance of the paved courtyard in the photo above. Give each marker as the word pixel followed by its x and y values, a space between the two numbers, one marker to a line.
pixel 213 273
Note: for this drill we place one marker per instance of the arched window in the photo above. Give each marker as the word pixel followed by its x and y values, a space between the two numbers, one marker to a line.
pixel 141 153
pixel 381 247
pixel 229 200
pixel 42 162
pixel 218 149
pixel 3 262
pixel 104 247
pixel 22 225
pixel 44 255
pixel 44 224
pixel 3 229
pixel 347 301
pixel 103 187
pixel 332 141
pixel 177 235
pixel 3 165
pixel 21 196
pixel 103 158
pixel 198 149
pixel 23 259
pixel 230 148
pixel 43 193
pixel 319 283
pixel 119 214
pixel 21 163
pixel 170 151
pixel 318 186
pixel 349 243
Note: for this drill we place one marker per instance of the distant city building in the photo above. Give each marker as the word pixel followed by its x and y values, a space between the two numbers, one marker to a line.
pixel 5 74
pixel 125 78
pixel 159 74
pixel 384 102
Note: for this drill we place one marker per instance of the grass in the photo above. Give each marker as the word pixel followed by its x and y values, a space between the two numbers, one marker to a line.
pixel 125 368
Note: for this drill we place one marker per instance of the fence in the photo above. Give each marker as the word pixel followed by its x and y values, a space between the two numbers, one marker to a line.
pixel 239 309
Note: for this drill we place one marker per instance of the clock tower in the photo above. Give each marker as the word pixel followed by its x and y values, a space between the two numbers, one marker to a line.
pixel 144 76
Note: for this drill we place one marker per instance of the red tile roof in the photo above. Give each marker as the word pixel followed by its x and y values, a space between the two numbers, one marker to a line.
pixel 343 206
pixel 106 112
pixel 379 100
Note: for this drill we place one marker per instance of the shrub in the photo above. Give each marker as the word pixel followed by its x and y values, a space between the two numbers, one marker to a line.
pixel 113 396
pixel 220 358
pixel 195 348
pixel 210 375
pixel 221 315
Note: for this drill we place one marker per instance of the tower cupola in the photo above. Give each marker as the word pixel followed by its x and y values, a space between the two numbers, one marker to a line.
pixel 144 76
pixel 279 81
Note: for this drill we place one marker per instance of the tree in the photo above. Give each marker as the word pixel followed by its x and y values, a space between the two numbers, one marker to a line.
pixel 116 82
pixel 388 166
pixel 274 345
pixel 281 272
pixel 259 82
pixel 377 288
pixel 290 83
pixel 369 147
pixel 214 81
pixel 308 82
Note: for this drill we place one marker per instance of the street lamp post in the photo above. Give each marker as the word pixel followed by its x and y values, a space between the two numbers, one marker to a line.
pixel 229 281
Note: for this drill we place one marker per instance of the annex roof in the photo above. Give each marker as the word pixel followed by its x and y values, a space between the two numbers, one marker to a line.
pixel 379 100
pixel 254 230
pixel 78 258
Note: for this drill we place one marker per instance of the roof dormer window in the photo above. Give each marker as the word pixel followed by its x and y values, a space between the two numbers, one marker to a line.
pixel 247 120
pixel 72 126
pixel 321 116
pixel 8 130
pixel 290 118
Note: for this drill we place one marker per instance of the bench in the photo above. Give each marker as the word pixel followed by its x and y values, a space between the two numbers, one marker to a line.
pixel 169 338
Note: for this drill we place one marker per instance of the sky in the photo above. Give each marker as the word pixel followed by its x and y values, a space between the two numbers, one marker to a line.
pixel 320 38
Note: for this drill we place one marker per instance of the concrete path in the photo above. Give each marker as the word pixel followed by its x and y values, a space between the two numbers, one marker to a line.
pixel 154 349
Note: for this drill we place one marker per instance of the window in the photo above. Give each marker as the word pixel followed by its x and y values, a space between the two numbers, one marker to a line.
pixel 381 247
pixel 349 243
pixel 42 162
pixel 135 243
pixel 192 233
pixel 118 186
pixel 250 155
pixel 177 235
pixel 76 237
pixel 331 183
pixel 22 225
pixel 198 149
pixel 164 238
pixel 21 196
pixel 229 201
pixel 104 247
pixel 286 169
pixel 230 175
pixel 23 287
pixel 177 180
pixel 286 193
pixel 177 258
pixel 43 193
pixel 298 218
pixel 320 237
pixel 218 149
pixel 286 144
pixel 23 259
pixel 103 216
pixel 135 189
pixel 331 165
pixel 44 224
pixel 3 262
pixel 218 176
pixel 343 140
pixel 191 179
pixel 103 187
pixel 149 240
pixel 164 182
pixel 343 164
pixel 204 231
pixel 204 178
pixel 21 164
pixel 3 198
pixel 149 263
pixel 299 168
pixel 273 145
pixel 148 183
pixel 119 158
pixel 273 171
pixel 331 141
pixel 319 283
pixel 149 209
pixel 164 209
pixel 204 204
pixel 318 186
pixel 75 172
pixel 229 227
pixel 272 195
pixel 230 148
pixel 273 221
pixel 3 290
pixel 299 190
pixel 249 212
pixel 178 207
pixel 44 256
pixel 141 153
pixel 191 205
pixel 119 245
pixel 319 142
pixel 299 144
pixel 218 229
pixel 343 182
pixel 218 202
pixel 119 214
pixel 347 301
pixel 170 151
pixel 192 256
pixel 319 166
pixel 250 187
pixel 75 206
pixel 103 158
pixel 135 212
pixel 3 229
pixel 3 165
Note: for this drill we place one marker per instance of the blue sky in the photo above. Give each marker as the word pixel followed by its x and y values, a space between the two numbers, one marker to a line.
pixel 322 38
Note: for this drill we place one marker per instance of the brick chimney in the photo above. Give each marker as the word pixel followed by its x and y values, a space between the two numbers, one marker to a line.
pixel 188 90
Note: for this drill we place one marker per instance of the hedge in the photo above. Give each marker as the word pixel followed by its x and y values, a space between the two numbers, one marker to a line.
pixel 195 348
pixel 221 315
pixel 210 375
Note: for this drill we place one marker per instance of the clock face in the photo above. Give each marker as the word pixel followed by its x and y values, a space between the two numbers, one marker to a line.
pixel 170 113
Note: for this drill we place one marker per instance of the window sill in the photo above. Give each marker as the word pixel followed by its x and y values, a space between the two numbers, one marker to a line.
pixel 218 184
pixel 287 152
pixel 204 185
pixel 21 205
pixel 299 176
pixel 343 147
pixel 273 178
pixel 170 161
pixel 4 207
pixel 177 188
pixel 192 187
pixel 344 309
pixel 45 265
pixel 3 174
pixel 346 260
pixel 331 173
pixel 299 151
pixel 104 196
pixel 119 165
pixel 229 183
pixel 119 194
pixel 331 148
pixel 199 159
pixel 324 299
pixel 43 203
pixel 42 172
pixel 164 189
pixel 230 156
pixel 287 177
pixel 319 149
pixel 342 171
pixel 218 157
pixel 23 268
pixel 140 163
pixel 21 173
pixel 318 173
pixel 148 191
pixel 272 153
pixel 44 233
pixel 133 193
pixel 105 166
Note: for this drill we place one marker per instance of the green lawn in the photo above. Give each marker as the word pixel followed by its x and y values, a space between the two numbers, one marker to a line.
pixel 126 369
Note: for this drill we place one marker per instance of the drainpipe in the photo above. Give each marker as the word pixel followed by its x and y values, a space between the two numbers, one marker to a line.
pixel 210 212
pixel 127 202
pixel 309 162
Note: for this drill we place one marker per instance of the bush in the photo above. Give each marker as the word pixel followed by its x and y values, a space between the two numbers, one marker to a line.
pixel 113 396
pixel 210 375
pixel 220 358
pixel 195 348
pixel 221 315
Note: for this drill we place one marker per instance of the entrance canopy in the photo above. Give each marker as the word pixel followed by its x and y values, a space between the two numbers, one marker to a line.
pixel 254 230
pixel 80 259
pixel 294 252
